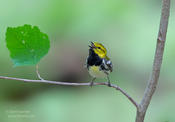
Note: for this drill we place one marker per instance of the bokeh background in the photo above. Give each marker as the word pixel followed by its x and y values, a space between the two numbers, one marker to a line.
pixel 127 28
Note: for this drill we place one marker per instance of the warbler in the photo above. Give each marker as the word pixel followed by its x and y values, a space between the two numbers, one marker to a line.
pixel 98 63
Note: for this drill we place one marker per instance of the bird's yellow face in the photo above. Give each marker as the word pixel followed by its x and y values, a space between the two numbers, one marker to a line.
pixel 99 49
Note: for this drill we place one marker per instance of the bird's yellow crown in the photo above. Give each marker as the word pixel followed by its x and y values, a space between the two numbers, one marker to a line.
pixel 99 49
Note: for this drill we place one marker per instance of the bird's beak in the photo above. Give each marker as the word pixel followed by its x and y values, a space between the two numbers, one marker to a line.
pixel 92 45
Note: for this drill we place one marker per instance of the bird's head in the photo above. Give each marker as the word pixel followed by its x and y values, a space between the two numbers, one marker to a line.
pixel 99 49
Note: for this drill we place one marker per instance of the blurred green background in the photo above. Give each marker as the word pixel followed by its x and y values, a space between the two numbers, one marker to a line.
pixel 127 28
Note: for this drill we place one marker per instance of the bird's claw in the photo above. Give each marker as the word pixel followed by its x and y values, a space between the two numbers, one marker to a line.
pixel 91 84
pixel 109 84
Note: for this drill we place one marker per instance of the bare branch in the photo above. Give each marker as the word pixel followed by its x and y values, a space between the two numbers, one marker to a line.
pixel 73 84
pixel 152 83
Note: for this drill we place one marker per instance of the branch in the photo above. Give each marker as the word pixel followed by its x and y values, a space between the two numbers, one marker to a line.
pixel 152 83
pixel 73 84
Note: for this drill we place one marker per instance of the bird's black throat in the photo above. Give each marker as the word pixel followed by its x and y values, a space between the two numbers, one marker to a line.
pixel 93 59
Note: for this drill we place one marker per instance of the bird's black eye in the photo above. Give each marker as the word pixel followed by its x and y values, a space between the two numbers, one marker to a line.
pixel 99 47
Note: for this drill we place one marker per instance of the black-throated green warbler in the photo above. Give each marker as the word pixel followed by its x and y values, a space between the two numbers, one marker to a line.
pixel 98 63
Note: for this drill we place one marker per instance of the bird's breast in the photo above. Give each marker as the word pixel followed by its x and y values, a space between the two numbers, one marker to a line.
pixel 95 71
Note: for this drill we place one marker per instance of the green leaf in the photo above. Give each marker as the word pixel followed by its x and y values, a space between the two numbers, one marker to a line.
pixel 27 45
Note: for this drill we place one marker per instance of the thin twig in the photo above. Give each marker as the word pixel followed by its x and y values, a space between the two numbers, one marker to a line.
pixel 152 83
pixel 74 84
pixel 38 74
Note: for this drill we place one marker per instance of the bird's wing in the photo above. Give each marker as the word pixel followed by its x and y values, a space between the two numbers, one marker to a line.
pixel 107 65
pixel 110 66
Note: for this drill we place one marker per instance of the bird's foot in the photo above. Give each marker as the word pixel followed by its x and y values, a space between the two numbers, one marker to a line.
pixel 91 84
pixel 109 84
